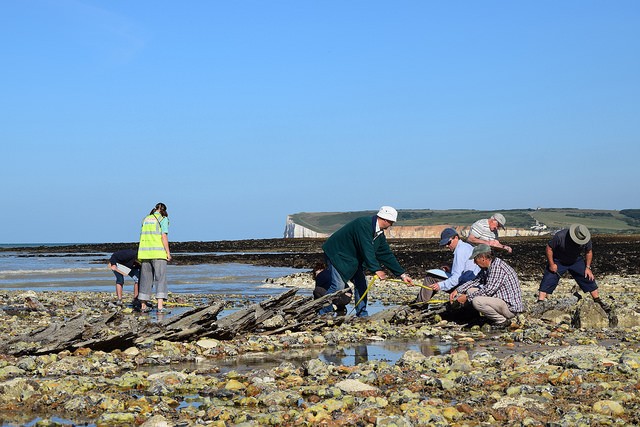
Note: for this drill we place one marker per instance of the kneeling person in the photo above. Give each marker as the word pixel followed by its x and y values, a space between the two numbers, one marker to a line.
pixel 495 292
pixel 322 277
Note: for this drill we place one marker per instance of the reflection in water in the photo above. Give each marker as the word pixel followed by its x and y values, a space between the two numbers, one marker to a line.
pixel 355 354
pixel 344 355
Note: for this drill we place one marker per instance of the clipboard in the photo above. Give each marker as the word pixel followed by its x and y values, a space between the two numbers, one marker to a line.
pixel 123 269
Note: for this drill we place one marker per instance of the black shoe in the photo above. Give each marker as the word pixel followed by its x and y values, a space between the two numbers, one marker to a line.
pixel 606 307
pixel 501 325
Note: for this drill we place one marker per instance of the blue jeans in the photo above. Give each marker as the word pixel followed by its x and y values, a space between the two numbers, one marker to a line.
pixel 550 280
pixel 338 284
pixel 134 274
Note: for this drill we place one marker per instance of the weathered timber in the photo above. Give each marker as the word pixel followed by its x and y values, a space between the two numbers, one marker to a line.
pixel 193 324
pixel 117 330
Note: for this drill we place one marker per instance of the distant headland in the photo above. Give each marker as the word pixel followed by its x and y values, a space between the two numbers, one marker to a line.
pixel 427 223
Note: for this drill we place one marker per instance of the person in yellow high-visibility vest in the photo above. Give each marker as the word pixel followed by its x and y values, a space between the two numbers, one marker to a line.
pixel 153 253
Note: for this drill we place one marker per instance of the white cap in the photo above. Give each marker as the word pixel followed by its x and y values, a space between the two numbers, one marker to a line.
pixel 388 213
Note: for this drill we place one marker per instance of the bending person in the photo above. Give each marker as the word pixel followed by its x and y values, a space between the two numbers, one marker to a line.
pixel 129 259
pixel 486 231
pixel 358 246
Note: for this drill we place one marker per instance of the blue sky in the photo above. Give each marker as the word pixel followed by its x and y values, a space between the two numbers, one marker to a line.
pixel 236 114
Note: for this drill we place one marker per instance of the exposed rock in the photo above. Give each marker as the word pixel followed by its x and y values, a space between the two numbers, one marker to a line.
pixel 354 386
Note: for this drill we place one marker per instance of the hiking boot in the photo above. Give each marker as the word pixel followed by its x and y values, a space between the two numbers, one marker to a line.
pixel 501 325
pixel 606 307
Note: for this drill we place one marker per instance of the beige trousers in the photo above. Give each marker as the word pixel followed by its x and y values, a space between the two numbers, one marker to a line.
pixel 494 309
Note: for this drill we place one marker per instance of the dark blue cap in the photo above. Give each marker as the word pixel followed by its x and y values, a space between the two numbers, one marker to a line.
pixel 446 235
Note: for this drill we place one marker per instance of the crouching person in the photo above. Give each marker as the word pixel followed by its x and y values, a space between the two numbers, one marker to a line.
pixel 322 277
pixel 495 292
pixel 463 268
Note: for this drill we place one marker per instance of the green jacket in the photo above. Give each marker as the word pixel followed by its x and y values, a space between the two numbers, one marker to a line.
pixel 353 246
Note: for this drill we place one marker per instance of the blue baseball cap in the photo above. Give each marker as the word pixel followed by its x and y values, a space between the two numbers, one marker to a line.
pixel 446 235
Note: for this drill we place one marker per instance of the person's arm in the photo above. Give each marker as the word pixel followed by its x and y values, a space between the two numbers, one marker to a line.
pixel 389 260
pixel 494 243
pixel 475 240
pixel 553 267
pixel 477 236
pixel 165 243
pixel 451 282
pixel 462 289
pixel 588 257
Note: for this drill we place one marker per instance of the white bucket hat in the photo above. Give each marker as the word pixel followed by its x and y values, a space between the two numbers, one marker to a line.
pixel 388 213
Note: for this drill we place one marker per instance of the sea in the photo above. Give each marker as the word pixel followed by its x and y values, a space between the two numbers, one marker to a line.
pixel 59 271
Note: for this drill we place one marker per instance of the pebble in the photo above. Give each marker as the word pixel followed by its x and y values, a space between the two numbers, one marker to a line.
pixel 549 371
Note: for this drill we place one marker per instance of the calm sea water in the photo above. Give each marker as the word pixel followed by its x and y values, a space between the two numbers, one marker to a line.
pixel 89 272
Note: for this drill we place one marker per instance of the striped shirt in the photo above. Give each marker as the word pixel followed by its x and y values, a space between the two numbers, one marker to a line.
pixel 499 280
pixel 481 230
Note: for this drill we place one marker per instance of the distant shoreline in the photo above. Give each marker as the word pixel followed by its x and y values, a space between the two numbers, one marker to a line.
pixel 613 254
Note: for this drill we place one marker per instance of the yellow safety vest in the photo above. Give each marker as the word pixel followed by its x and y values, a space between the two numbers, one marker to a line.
pixel 151 246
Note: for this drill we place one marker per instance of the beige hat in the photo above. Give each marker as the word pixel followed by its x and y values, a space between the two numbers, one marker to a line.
pixel 479 250
pixel 388 213
pixel 500 218
pixel 579 234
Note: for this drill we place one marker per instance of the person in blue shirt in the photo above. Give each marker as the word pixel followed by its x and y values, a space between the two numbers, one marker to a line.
pixel 462 269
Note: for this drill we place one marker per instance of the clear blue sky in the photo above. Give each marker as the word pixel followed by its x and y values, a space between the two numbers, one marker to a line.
pixel 236 114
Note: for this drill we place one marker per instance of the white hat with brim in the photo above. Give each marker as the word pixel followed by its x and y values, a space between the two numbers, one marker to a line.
pixel 388 213
pixel 579 234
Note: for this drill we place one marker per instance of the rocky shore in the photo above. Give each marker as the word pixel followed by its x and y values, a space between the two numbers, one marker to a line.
pixel 562 363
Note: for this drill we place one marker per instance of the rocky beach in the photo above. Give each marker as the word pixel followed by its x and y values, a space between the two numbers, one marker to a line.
pixel 565 362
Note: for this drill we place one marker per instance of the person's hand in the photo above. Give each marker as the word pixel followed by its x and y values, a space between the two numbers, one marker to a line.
pixel 507 248
pixel 169 257
pixel 553 267
pixel 462 298
pixel 588 273
pixel 406 279
pixel 445 268
pixel 113 267
pixel 381 274
pixel 435 286
pixel 452 296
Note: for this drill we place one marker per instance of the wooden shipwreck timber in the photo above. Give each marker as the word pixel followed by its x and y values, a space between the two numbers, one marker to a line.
pixel 117 330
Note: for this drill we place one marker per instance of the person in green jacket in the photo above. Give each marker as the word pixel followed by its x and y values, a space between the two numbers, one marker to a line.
pixel 358 246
